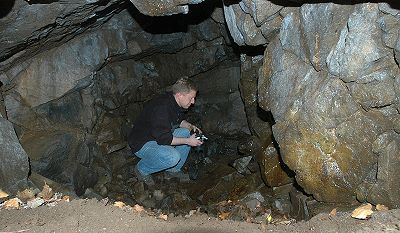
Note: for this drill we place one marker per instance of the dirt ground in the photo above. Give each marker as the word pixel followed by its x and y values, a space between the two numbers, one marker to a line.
pixel 84 215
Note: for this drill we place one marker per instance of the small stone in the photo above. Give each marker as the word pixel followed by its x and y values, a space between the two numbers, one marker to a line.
pixel 35 203
pixel 333 212
pixel 25 195
pixel 163 217
pixel 138 208
pixel 380 207
pixel 14 203
pixel 3 194
pixel 362 212
pixel 47 192
pixel 119 204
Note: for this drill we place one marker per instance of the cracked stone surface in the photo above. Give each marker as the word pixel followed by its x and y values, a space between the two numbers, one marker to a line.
pixel 333 104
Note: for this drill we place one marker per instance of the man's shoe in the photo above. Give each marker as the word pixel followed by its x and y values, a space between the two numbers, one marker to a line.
pixel 146 179
pixel 183 177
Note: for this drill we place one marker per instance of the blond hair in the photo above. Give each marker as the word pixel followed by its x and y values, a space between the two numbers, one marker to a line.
pixel 183 84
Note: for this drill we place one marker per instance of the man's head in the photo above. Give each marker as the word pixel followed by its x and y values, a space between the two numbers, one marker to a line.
pixel 184 91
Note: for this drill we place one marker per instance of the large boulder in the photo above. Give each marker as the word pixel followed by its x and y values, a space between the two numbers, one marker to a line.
pixel 14 166
pixel 386 189
pixel 330 82
pixel 252 22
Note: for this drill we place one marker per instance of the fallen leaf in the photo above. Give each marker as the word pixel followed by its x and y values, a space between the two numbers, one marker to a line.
pixel 268 218
pixel 333 212
pixel 138 208
pixel 12 203
pixel 223 215
pixel 380 207
pixel 66 198
pixel 47 192
pixel 362 212
pixel 3 194
pixel 119 204
pixel 163 217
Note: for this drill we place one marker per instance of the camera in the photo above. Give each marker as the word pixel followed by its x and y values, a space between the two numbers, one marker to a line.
pixel 201 137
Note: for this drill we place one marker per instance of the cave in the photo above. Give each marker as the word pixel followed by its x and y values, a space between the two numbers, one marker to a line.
pixel 299 101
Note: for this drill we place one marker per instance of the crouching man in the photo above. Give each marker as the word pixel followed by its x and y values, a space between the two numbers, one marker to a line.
pixel 161 136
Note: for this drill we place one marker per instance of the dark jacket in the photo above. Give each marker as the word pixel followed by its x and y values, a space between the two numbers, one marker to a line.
pixel 159 118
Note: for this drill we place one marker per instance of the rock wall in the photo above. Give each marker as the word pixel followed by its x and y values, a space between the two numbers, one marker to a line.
pixel 253 22
pixel 72 104
pixel 274 172
pixel 14 165
pixel 331 82
pixel 329 76
pixel 28 29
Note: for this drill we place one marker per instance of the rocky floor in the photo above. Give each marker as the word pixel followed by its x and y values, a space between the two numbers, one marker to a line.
pixel 225 195
pixel 95 216
pixel 225 184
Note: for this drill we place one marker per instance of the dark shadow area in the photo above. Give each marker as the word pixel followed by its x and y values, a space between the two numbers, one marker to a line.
pixel 299 188
pixel 6 7
pixel 30 167
pixel 174 23
pixel 253 51
pixel 231 2
pixel 265 116
pixel 112 9
pixel 3 110
pixel 31 2
pixel 289 3
pixel 41 1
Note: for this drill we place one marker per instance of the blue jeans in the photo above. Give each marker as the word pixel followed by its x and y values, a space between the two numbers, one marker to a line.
pixel 155 158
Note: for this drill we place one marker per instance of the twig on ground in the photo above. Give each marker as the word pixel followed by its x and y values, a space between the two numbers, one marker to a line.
pixel 14 231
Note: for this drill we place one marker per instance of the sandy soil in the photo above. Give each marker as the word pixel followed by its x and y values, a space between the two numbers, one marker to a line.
pixel 95 216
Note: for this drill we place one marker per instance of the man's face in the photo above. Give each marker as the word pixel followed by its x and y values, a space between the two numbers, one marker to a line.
pixel 185 99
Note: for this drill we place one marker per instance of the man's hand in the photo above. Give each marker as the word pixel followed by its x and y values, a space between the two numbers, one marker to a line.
pixel 192 141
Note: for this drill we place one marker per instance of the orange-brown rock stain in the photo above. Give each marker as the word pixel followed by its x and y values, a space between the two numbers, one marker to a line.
pixel 321 164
